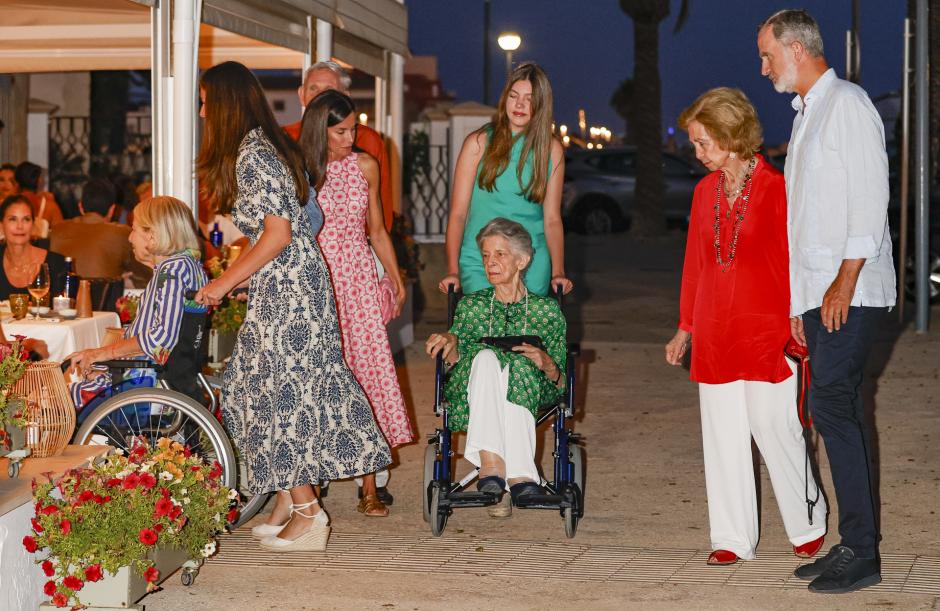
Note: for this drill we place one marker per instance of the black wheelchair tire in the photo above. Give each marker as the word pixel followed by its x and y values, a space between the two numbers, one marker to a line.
pixel 430 455
pixel 438 517
pixel 577 462
pixel 570 515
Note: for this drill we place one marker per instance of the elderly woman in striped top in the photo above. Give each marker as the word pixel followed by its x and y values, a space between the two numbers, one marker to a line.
pixel 163 237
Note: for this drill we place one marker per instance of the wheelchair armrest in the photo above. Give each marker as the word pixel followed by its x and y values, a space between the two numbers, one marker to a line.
pixel 124 364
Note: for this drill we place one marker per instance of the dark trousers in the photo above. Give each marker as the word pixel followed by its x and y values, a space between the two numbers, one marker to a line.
pixel 837 362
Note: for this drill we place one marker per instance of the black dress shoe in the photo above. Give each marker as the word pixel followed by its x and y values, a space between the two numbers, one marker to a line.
pixel 817 568
pixel 382 492
pixel 846 573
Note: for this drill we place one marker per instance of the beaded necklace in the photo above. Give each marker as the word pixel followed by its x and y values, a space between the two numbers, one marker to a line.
pixel 525 320
pixel 738 219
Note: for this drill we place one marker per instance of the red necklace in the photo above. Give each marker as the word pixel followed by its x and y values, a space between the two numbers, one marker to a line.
pixel 738 219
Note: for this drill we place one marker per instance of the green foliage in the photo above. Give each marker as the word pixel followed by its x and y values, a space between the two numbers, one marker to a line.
pixel 229 318
pixel 12 368
pixel 95 520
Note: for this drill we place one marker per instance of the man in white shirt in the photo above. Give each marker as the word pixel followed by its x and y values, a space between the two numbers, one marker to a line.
pixel 841 272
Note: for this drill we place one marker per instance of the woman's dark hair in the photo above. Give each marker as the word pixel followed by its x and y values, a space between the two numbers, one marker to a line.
pixel 326 110
pixel 12 200
pixel 125 191
pixel 27 176
pixel 236 105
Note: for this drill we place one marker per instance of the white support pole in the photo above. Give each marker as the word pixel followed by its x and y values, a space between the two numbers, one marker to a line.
pixel 381 103
pixel 396 111
pixel 324 40
pixel 184 34
pixel 309 53
pixel 160 100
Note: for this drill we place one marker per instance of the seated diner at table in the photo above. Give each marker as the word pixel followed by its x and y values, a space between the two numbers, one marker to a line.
pixel 35 348
pixel 495 393
pixel 21 259
pixel 163 237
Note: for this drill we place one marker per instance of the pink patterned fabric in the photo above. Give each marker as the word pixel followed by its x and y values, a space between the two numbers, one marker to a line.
pixel 344 199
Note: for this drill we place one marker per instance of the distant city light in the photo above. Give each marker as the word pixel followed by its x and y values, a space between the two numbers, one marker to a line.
pixel 590 145
pixel 563 129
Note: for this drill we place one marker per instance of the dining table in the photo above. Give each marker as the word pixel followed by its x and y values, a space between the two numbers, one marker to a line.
pixel 62 336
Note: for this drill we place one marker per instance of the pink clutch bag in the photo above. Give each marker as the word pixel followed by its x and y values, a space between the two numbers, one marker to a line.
pixel 386 298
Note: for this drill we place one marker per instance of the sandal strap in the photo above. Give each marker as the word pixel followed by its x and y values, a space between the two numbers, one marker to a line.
pixel 297 508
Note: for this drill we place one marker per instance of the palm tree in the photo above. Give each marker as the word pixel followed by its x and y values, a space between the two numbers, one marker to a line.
pixel 648 218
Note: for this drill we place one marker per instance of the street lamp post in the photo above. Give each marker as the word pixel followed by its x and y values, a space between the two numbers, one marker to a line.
pixel 509 42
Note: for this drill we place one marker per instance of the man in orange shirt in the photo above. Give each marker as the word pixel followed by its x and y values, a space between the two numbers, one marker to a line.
pixel 322 76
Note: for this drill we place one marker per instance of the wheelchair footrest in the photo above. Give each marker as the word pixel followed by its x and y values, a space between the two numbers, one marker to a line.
pixel 542 501
pixel 469 499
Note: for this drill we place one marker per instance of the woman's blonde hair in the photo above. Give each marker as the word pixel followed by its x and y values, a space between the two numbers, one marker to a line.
pixel 171 223
pixel 729 117
pixel 537 135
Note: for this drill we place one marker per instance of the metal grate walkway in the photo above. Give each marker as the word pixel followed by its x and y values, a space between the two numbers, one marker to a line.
pixel 462 554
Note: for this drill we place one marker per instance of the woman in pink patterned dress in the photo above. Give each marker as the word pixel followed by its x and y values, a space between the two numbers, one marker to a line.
pixel 347 185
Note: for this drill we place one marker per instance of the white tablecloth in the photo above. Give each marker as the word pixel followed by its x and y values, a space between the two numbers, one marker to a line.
pixel 67 336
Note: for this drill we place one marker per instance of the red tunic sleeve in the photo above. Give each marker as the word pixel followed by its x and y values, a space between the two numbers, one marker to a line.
pixel 692 266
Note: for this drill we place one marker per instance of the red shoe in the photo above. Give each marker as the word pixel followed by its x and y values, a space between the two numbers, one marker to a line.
pixel 809 549
pixel 721 557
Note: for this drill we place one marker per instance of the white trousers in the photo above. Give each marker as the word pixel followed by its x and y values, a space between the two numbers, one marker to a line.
pixel 496 424
pixel 732 413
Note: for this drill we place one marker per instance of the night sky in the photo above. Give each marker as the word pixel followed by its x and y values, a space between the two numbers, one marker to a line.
pixel 586 46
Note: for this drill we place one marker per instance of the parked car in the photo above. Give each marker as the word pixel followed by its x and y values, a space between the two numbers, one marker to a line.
pixel 599 189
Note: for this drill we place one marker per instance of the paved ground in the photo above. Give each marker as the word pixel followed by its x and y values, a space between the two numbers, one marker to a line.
pixel 643 540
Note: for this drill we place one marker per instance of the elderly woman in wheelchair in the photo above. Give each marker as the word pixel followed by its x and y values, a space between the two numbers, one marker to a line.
pixel 163 237
pixel 508 351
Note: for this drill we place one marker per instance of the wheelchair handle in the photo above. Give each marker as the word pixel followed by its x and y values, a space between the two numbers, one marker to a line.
pixel 451 305
pixel 559 294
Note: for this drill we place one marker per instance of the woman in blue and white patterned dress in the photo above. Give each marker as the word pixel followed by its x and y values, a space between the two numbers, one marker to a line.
pixel 289 401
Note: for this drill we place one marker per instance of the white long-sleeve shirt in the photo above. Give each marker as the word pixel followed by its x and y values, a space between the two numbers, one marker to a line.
pixel 837 192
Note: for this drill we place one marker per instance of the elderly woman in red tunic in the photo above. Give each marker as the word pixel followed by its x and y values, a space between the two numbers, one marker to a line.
pixel 735 305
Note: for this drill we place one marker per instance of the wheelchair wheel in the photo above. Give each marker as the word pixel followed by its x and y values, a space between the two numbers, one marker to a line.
pixel 152 413
pixel 438 517
pixel 570 514
pixel 430 455
pixel 577 463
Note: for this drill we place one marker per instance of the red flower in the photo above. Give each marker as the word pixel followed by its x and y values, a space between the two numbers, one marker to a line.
pixel 86 496
pixel 73 583
pixel 30 544
pixel 36 525
pixel 114 481
pixel 216 471
pixel 195 468
pixel 48 510
pixel 152 574
pixel 175 512
pixel 93 573
pixel 138 452
pixel 147 481
pixel 187 452
pixel 130 482
pixel 147 536
pixel 59 600
pixel 232 515
pixel 99 499
pixel 158 527
pixel 66 526
pixel 165 493
pixel 49 570
pixel 107 498
pixel 50 588
pixel 163 507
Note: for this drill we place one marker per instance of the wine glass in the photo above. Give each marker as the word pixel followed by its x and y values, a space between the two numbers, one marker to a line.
pixel 39 287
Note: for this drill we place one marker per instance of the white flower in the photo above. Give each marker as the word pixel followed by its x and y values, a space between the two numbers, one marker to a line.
pixel 217 517
pixel 147 466
pixel 185 500
pixel 123 474
pixel 183 490
pixel 232 494
pixel 174 501
pixel 209 549
pixel 166 475
pixel 119 452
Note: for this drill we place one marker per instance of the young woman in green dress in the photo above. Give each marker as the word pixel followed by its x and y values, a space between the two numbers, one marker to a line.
pixel 511 168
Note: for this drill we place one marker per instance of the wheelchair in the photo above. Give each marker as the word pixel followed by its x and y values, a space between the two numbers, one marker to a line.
pixel 565 492
pixel 181 406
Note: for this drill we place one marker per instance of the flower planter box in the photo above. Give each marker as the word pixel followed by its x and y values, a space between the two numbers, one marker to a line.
pixel 124 588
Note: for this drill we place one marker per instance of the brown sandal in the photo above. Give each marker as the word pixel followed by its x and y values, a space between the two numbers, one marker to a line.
pixel 372 507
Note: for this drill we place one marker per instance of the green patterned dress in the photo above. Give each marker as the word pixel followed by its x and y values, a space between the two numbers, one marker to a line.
pixel 480 315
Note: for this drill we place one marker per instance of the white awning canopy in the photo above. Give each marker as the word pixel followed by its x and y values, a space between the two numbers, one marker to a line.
pixel 63 35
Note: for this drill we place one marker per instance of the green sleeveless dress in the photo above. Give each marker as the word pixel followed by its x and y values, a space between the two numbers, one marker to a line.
pixel 508 201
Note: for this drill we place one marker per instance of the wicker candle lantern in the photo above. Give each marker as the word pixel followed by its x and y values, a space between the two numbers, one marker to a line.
pixel 49 411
